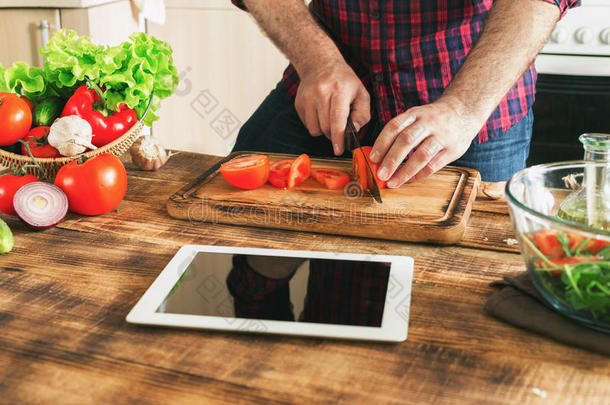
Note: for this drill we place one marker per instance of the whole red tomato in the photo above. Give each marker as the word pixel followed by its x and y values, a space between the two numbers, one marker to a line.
pixel 94 187
pixel 29 103
pixel 39 146
pixel 15 118
pixel 9 184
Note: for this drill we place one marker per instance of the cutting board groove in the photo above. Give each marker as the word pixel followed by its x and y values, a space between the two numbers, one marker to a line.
pixel 433 210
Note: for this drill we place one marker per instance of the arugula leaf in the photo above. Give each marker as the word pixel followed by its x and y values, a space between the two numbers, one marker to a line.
pixel 605 253
pixel 565 243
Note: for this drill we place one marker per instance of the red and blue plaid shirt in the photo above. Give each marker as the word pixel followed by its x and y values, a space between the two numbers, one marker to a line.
pixel 407 52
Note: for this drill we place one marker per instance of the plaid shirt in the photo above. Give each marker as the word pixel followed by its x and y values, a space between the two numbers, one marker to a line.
pixel 406 52
pixel 338 292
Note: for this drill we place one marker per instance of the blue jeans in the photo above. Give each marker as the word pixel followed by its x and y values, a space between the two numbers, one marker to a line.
pixel 275 127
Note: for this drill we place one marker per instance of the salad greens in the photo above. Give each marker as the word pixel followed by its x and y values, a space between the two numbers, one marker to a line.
pixel 580 278
pixel 130 73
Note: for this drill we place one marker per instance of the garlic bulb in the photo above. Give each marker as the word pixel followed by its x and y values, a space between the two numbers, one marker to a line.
pixel 71 135
pixel 148 154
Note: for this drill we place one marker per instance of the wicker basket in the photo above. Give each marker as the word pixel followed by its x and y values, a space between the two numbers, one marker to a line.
pixel 52 165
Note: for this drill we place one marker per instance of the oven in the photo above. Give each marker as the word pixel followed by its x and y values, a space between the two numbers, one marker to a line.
pixel 573 88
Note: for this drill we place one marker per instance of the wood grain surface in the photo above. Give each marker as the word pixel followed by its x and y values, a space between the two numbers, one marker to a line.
pixel 433 210
pixel 65 292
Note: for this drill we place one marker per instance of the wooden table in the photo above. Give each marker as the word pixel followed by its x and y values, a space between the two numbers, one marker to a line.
pixel 65 292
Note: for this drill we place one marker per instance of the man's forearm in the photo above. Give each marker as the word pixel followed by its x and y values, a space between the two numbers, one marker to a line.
pixel 513 35
pixel 293 30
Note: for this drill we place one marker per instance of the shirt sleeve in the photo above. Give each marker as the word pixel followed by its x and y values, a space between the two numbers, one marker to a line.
pixel 240 4
pixel 564 5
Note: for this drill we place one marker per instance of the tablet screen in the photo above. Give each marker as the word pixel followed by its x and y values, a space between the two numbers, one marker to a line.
pixel 278 288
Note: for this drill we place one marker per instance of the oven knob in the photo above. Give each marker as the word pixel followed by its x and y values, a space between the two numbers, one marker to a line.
pixel 559 35
pixel 584 35
pixel 604 36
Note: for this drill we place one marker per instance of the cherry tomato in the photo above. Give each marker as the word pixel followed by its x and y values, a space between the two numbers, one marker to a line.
pixel 331 178
pixel 299 171
pixel 9 184
pixel 15 118
pixel 278 173
pixel 247 172
pixel 36 136
pixel 360 169
pixel 94 187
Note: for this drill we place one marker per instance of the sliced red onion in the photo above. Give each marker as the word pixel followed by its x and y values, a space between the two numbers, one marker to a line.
pixel 40 205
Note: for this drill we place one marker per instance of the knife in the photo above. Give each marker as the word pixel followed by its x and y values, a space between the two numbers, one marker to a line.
pixel 352 143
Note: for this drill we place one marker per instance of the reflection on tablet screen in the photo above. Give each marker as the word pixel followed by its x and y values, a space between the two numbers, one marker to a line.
pixel 281 288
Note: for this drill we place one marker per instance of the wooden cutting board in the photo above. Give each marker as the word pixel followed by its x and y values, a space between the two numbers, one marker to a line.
pixel 433 210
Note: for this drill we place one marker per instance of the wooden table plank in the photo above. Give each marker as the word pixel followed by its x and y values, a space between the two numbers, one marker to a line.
pixel 64 294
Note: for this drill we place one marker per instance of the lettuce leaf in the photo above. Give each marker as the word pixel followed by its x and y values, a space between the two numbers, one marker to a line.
pixel 146 66
pixel 4 79
pixel 137 72
pixel 71 59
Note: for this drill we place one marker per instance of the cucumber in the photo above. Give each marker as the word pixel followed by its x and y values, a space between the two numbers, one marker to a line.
pixel 46 111
pixel 6 238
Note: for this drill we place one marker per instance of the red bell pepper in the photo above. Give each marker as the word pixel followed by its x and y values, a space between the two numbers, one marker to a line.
pixel 105 128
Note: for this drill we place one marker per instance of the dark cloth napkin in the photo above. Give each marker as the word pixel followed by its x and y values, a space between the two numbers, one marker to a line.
pixel 519 304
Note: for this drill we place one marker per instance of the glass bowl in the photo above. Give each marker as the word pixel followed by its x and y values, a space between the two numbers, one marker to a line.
pixel 567 258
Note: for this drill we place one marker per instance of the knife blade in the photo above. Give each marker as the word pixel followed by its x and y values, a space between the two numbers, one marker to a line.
pixel 352 142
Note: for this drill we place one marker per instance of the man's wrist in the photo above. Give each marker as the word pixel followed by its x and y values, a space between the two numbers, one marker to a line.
pixel 317 60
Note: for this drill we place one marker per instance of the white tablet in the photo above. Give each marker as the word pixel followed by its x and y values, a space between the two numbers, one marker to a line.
pixel 336 295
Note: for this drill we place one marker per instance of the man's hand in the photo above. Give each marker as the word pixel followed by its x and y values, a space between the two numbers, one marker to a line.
pixel 329 88
pixel 325 97
pixel 441 131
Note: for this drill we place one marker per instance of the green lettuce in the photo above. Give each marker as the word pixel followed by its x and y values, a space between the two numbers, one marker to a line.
pixel 70 59
pixel 146 70
pixel 137 73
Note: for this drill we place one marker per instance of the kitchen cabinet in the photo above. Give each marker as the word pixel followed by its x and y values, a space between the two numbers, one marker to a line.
pixel 22 29
pixel 227 67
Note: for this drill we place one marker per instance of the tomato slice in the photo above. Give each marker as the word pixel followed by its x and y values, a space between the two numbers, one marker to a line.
pixel 246 172
pixel 331 178
pixel 360 170
pixel 278 173
pixel 299 171
pixel 566 260
pixel 549 245
pixel 595 245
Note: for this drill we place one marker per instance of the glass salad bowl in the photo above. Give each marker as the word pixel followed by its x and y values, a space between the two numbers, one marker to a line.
pixel 561 217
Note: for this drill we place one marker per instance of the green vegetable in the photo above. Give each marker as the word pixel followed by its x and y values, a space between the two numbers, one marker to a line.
pixel 585 286
pixel 6 238
pixel 131 73
pixel 46 111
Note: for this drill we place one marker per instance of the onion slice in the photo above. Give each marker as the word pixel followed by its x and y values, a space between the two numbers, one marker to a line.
pixel 42 206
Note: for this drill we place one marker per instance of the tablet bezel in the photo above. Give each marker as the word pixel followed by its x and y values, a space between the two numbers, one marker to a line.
pixel 395 315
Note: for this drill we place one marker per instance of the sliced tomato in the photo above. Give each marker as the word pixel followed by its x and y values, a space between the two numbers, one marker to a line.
pixel 549 245
pixel 246 172
pixel 278 173
pixel 360 170
pixel 330 178
pixel 566 260
pixel 595 246
pixel 299 171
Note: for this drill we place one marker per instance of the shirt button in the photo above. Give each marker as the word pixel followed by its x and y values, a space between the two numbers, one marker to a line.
pixel 379 77
pixel 376 15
